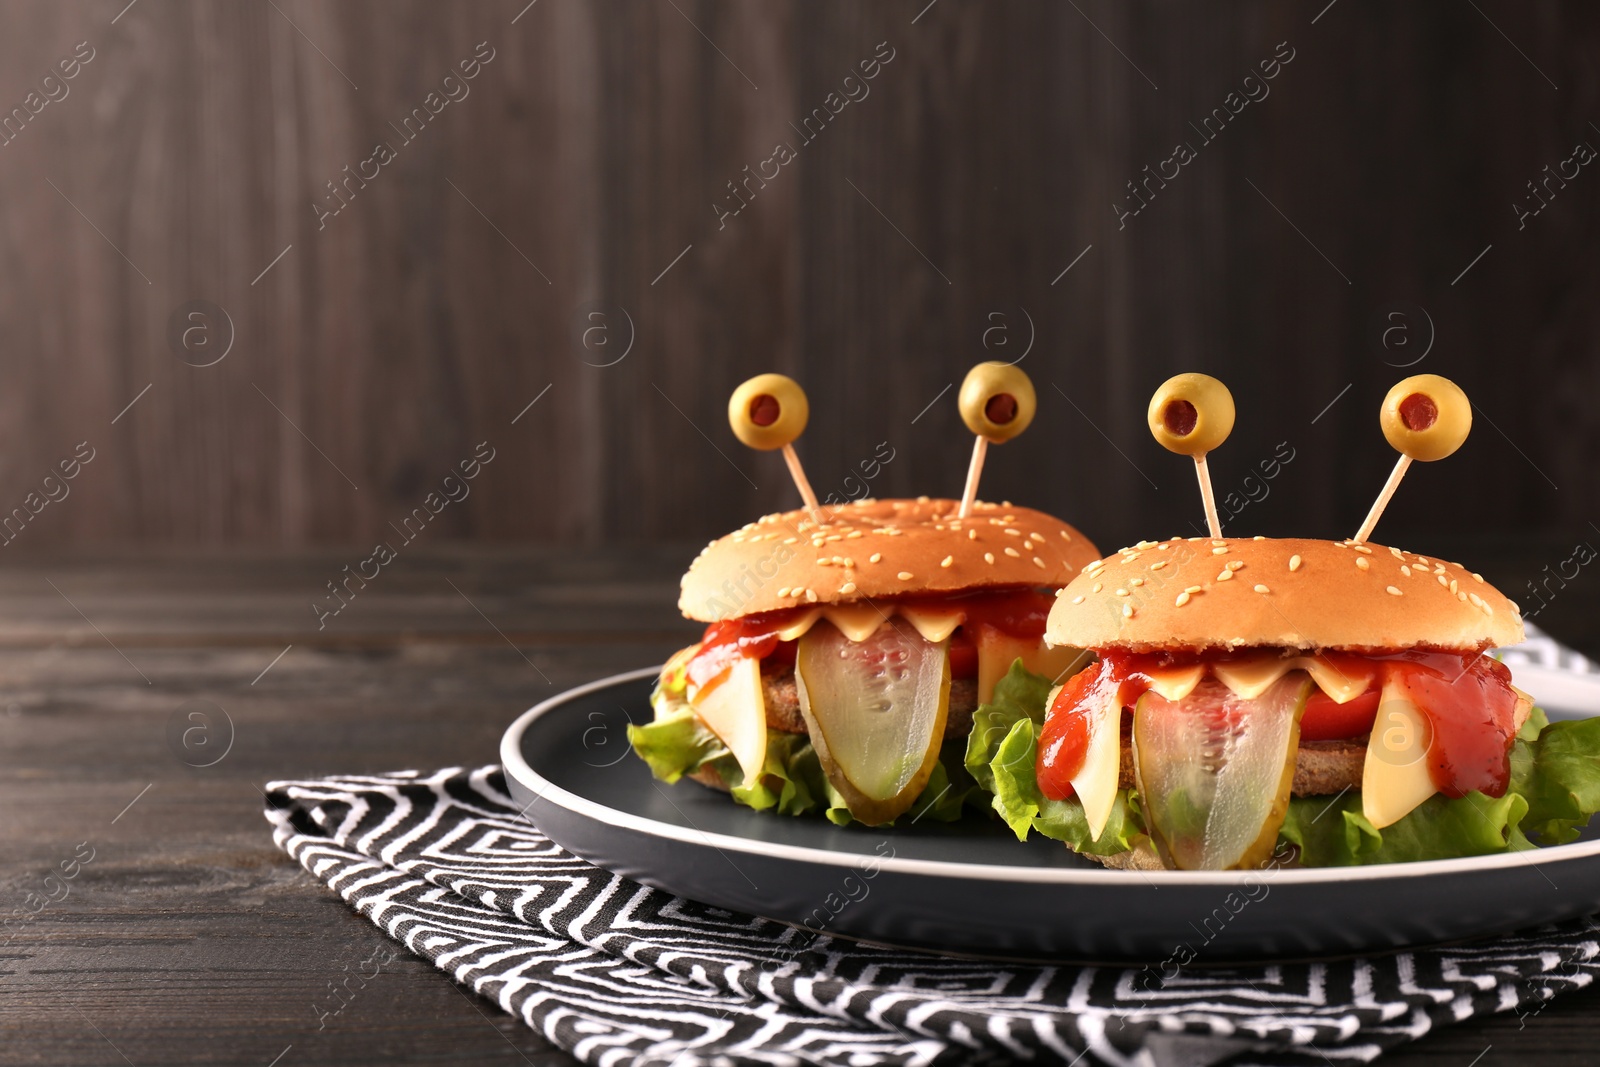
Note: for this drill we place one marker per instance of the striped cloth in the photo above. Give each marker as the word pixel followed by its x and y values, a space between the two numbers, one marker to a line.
pixel 616 973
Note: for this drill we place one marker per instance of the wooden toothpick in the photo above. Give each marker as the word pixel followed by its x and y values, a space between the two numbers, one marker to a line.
pixel 969 495
pixel 1382 502
pixel 1207 496
pixel 803 484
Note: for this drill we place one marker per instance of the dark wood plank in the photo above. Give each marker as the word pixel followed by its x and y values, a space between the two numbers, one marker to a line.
pixel 590 154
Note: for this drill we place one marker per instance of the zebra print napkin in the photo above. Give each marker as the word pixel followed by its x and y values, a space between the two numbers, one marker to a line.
pixel 620 974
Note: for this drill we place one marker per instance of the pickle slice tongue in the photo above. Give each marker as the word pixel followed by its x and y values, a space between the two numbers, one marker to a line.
pixel 1214 771
pixel 876 711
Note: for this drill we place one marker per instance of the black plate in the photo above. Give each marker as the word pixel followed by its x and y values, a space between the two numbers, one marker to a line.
pixel 971 887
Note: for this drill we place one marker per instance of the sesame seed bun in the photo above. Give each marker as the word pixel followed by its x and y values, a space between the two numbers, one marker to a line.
pixel 1194 594
pixel 878 548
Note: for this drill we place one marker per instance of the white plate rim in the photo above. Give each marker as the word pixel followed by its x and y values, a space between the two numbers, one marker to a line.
pixel 517 767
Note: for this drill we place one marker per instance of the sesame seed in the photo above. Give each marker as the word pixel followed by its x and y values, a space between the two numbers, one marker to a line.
pixel 1452 585
pixel 1361 561
pixel 1127 611
pixel 904 576
pixel 1183 598
pixel 1461 596
pixel 1262 589
pixel 852 535
pixel 1235 564
pixel 947 561
pixel 1013 553
pixel 811 596
pixel 972 535
pixel 1222 543
pixel 1065 536
pixel 824 562
pixel 1163 546
pixel 1475 598
pixel 1224 576
pixel 1192 589
pixel 1037 562
pixel 1013 533
pixel 784 592
pixel 1477 577
pixel 1294 563
pixel 1442 580
pixel 988 557
pixel 1422 560
pixel 790 540
pixel 1078 599
pixel 1158 564
pixel 1259 537
pixel 1219 551
pixel 833 537
pixel 1397 553
pixel 876 557
pixel 1097 587
pixel 1405 570
pixel 1393 591
pixel 1137 582
pixel 848 587
pixel 1362 549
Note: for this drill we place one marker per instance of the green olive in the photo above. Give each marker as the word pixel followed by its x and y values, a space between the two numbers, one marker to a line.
pixel 768 411
pixel 1191 414
pixel 1426 417
pixel 997 401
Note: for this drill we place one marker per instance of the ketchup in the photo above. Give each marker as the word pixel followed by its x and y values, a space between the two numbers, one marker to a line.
pixel 1469 702
pixel 1015 612
pixel 1465 696
pixel 1064 741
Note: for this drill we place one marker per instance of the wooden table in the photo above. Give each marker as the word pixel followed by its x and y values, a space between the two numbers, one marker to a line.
pixel 189 938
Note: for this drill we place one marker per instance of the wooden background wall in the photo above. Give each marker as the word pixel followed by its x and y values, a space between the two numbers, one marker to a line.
pixel 581 175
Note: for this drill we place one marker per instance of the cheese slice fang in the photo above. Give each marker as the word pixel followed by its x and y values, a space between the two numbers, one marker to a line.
pixel 1395 778
pixel 1254 675
pixel 1096 782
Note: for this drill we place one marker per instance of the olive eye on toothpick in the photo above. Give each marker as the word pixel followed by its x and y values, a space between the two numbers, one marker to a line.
pixel 770 412
pixel 1424 417
pixel 997 403
pixel 1191 414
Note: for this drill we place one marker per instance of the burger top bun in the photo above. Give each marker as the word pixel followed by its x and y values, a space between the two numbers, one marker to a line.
pixel 878 548
pixel 1197 593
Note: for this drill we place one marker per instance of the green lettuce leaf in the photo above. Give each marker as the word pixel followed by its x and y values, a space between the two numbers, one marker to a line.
pixel 1024 807
pixel 1019 695
pixel 675 744
pixel 1559 774
pixel 1001 753
pixel 1554 788
pixel 1332 832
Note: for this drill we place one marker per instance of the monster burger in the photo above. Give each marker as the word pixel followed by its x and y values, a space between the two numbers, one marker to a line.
pixel 845 646
pixel 1321 702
